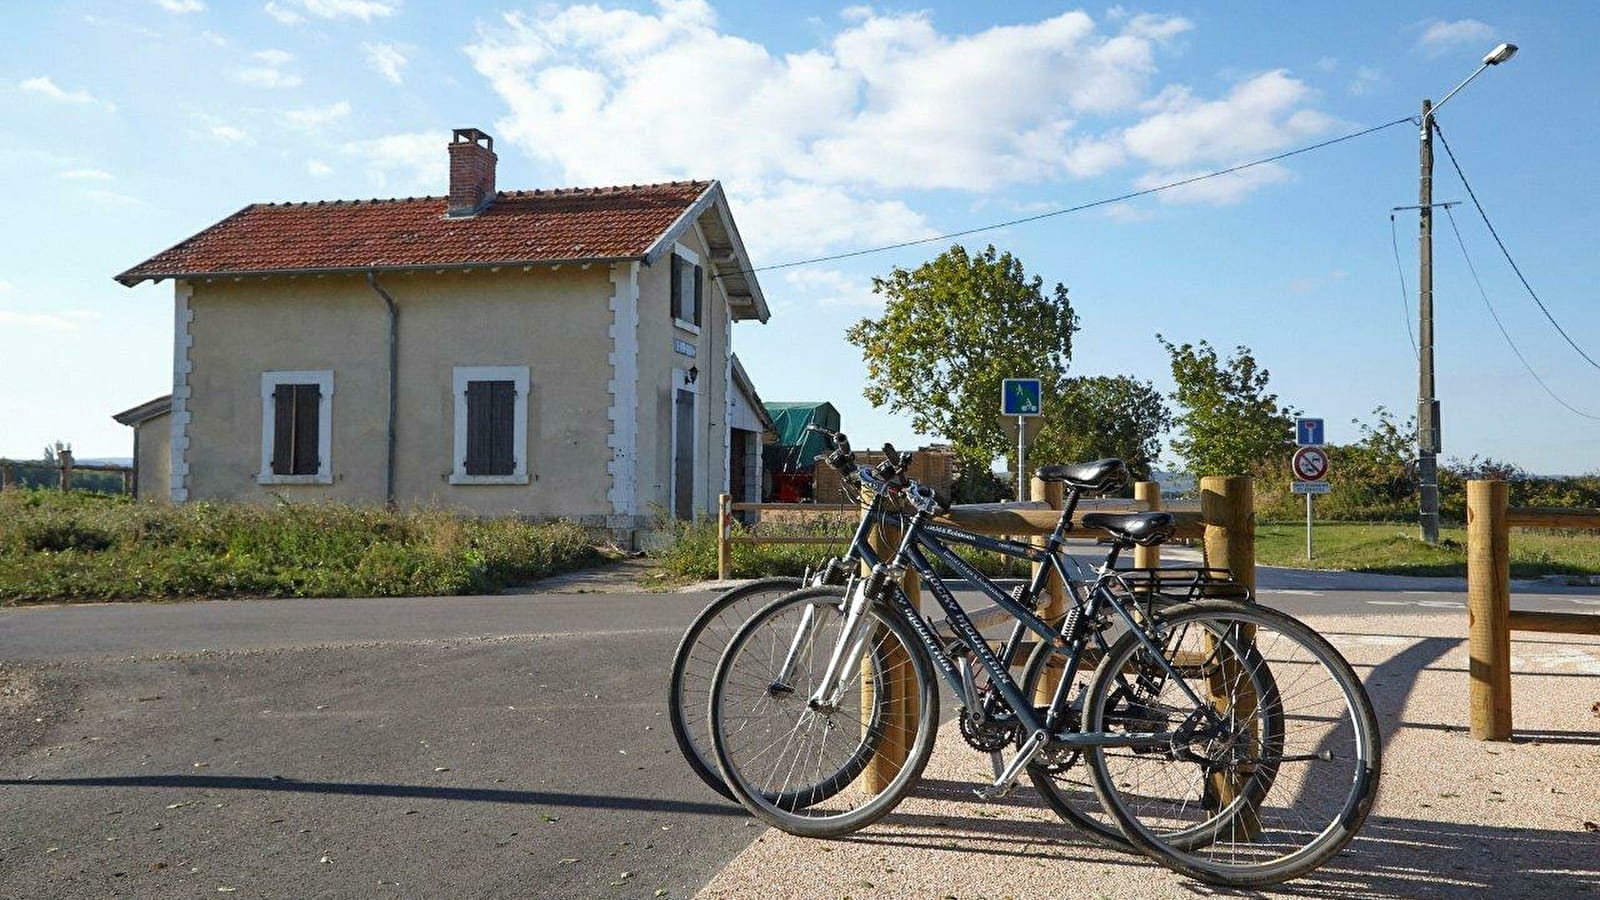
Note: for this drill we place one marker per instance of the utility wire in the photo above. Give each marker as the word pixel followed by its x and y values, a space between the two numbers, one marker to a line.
pixel 1507 253
pixel 1080 207
pixel 1405 296
pixel 1500 325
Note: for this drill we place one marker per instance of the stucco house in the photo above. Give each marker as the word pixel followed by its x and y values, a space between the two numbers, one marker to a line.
pixel 545 353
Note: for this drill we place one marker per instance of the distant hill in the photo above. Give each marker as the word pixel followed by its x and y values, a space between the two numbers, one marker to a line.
pixel 1174 484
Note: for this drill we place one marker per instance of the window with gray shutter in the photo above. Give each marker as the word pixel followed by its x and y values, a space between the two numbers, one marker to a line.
pixel 296 429
pixel 688 283
pixel 491 428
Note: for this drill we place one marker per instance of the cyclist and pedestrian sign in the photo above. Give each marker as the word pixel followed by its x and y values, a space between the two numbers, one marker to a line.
pixel 1020 396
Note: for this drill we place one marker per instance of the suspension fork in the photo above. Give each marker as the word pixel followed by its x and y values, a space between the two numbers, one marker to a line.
pixel 845 660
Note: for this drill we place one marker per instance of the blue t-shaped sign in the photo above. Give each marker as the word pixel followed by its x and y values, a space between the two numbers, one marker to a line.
pixel 1308 432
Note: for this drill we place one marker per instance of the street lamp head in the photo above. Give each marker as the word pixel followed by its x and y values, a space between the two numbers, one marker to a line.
pixel 1500 54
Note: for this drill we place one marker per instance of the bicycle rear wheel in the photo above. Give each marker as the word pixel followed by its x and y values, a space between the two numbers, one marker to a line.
pixel 1063 778
pixel 821 771
pixel 695 662
pixel 1198 800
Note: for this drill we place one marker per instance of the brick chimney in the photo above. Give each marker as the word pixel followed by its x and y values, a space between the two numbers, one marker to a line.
pixel 472 162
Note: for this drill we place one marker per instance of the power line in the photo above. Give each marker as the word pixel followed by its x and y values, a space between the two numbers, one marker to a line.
pixel 1405 296
pixel 1498 324
pixel 1507 253
pixel 1145 192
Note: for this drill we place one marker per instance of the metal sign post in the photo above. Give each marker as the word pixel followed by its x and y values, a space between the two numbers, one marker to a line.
pixel 1310 467
pixel 1021 397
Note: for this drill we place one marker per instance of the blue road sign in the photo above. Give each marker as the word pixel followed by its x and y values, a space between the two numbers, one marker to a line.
pixel 1019 397
pixel 1308 432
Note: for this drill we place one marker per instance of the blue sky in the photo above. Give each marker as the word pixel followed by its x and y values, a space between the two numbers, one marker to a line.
pixel 131 124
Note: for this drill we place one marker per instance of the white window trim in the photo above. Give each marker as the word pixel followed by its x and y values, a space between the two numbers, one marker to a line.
pixel 680 382
pixel 519 433
pixel 323 379
pixel 693 259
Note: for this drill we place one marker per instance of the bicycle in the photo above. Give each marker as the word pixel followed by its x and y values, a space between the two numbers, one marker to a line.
pixel 708 636
pixel 1219 744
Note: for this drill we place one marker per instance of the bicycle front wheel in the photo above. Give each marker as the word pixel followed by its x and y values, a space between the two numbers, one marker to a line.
pixel 1247 779
pixel 696 661
pixel 830 768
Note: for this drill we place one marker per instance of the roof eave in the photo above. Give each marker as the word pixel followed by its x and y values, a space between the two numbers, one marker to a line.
pixel 131 278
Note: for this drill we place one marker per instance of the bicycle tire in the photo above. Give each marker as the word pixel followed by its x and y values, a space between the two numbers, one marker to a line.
pixel 701 648
pixel 1257 839
pixel 744 681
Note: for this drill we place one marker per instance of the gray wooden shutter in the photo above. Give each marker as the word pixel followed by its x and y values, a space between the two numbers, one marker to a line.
pixel 478 440
pixel 307 428
pixel 699 291
pixel 677 286
pixel 283 429
pixel 502 427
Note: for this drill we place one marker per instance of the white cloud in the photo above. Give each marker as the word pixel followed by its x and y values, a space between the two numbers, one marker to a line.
pixel 53 321
pixel 45 87
pixel 387 59
pixel 270 74
pixel 828 287
pixel 291 12
pixel 1260 114
pixel 885 104
pixel 283 13
pixel 6 287
pixel 1366 80
pixel 229 133
pixel 318 168
pixel 313 117
pixel 413 162
pixel 181 6
pixel 86 175
pixel 1439 37
pixel 1223 190
pixel 1328 64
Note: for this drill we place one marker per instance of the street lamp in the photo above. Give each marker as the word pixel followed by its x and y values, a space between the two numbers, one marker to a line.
pixel 1427 403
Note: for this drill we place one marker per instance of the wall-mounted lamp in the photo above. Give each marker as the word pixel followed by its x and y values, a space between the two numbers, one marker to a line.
pixel 692 375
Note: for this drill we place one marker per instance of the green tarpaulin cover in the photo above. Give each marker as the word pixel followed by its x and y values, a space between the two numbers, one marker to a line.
pixel 797 449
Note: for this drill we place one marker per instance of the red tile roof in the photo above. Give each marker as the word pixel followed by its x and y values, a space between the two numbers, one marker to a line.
pixel 355 235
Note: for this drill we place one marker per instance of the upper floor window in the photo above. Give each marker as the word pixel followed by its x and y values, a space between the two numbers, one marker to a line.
pixel 688 286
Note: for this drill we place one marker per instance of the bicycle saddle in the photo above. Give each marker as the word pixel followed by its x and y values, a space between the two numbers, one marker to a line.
pixel 1097 476
pixel 1146 528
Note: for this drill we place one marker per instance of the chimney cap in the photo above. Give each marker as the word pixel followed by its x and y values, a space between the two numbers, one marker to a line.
pixel 472 135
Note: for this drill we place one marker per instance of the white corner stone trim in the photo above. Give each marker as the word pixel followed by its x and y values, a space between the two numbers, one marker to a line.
pixel 623 442
pixel 181 367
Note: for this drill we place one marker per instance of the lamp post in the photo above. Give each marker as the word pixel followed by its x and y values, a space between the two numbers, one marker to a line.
pixel 1427 403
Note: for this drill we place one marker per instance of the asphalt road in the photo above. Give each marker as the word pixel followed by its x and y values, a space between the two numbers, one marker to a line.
pixel 505 746
pixel 510 746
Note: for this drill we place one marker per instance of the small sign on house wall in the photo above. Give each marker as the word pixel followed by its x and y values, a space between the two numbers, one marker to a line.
pixel 684 347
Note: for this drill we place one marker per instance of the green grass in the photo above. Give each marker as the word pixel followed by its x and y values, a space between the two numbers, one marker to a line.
pixel 1396 549
pixel 86 547
pixel 692 554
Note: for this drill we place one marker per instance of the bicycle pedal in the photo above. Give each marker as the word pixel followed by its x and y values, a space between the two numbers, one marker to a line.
pixel 994 792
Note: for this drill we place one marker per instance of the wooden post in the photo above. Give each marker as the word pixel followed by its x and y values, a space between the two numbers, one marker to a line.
pixel 900 720
pixel 6 475
pixel 64 459
pixel 1150 493
pixel 1489 610
pixel 1227 506
pixel 1052 493
pixel 724 531
pixel 127 482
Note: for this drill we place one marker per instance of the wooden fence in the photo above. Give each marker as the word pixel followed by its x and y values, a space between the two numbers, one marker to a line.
pixel 66 466
pixel 1490 618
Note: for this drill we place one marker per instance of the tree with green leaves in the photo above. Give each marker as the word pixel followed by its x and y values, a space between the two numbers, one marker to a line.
pixel 1228 421
pixel 1097 416
pixel 951 330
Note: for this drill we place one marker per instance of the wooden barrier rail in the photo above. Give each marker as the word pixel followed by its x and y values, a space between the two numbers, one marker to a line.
pixel 1490 618
pixel 65 465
